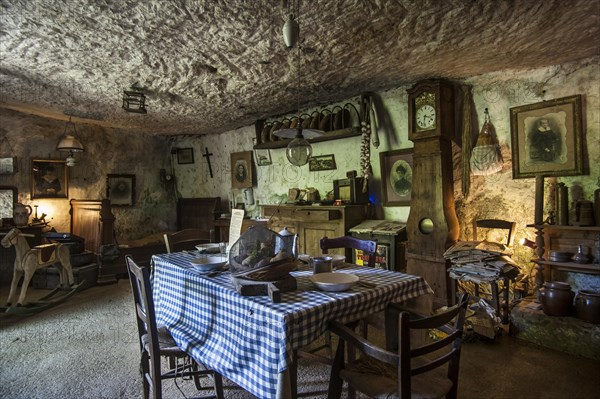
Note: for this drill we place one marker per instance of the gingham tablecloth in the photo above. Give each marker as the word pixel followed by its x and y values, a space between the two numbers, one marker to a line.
pixel 249 339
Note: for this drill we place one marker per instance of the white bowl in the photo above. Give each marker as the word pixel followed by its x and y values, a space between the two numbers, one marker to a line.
pixel 209 262
pixel 208 248
pixel 334 281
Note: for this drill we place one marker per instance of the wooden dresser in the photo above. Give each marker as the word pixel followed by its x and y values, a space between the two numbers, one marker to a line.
pixel 312 223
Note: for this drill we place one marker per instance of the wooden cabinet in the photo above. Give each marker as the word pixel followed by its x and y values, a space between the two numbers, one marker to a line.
pixel 567 239
pixel 312 223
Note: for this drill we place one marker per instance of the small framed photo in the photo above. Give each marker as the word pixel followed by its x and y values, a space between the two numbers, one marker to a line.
pixel 546 138
pixel 322 162
pixel 8 165
pixel 185 155
pixel 263 157
pixel 49 179
pixel 241 169
pixel 120 189
pixel 396 177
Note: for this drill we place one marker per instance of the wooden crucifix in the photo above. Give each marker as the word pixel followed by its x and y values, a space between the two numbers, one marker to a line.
pixel 207 155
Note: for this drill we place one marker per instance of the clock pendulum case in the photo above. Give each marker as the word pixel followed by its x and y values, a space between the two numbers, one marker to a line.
pixel 432 224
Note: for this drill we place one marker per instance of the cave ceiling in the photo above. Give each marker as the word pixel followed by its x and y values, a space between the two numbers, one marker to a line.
pixel 207 67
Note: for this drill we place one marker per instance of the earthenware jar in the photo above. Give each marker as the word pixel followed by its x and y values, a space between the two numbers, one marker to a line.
pixel 587 305
pixel 556 298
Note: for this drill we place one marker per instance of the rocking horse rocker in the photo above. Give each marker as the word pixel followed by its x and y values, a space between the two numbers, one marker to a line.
pixel 27 261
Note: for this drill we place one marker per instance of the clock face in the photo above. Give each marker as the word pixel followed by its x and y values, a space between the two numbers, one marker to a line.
pixel 425 117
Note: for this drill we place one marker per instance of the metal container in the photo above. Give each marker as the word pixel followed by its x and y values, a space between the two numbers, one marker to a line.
pixel 562 205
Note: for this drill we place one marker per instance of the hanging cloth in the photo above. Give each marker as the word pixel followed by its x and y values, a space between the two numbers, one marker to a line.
pixel 486 157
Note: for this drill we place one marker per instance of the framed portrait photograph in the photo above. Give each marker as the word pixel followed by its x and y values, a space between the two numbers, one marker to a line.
pixel 546 138
pixel 322 162
pixel 185 155
pixel 396 177
pixel 120 189
pixel 241 169
pixel 49 179
pixel 263 157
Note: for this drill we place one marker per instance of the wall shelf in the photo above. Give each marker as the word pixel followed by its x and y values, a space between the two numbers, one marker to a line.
pixel 333 135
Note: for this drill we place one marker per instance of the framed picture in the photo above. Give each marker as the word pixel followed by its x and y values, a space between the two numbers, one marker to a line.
pixel 322 162
pixel 396 177
pixel 8 165
pixel 263 157
pixel 49 179
pixel 546 138
pixel 241 169
pixel 185 155
pixel 120 189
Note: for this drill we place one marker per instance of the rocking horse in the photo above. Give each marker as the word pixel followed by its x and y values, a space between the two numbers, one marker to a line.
pixel 27 261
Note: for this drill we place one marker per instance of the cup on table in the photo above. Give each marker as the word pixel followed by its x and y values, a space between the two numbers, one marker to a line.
pixel 223 247
pixel 321 264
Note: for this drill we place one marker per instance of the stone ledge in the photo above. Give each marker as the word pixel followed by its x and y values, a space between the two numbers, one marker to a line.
pixel 567 334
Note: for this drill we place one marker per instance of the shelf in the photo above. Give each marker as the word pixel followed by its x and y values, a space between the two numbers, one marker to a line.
pixel 558 227
pixel 571 266
pixel 332 135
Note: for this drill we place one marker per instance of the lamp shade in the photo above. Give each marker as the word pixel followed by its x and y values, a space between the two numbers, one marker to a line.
pixel 291 31
pixel 69 142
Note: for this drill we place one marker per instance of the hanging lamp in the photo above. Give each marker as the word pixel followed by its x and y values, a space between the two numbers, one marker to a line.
pixel 69 142
pixel 299 150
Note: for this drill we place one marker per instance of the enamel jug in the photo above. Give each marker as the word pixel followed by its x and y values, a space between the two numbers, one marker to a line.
pixel 21 214
pixel 291 240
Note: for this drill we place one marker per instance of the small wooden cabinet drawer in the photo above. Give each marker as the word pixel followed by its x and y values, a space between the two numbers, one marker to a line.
pixel 316 215
pixel 276 212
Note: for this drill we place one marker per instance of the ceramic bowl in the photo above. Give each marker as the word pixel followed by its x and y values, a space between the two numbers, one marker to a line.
pixel 334 282
pixel 209 262
pixel 212 248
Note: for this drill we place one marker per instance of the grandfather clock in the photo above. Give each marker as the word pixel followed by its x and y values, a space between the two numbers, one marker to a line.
pixel 432 223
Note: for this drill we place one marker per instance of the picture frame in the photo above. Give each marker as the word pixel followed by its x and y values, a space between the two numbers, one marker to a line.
pixel 263 157
pixel 241 169
pixel 120 189
pixel 396 177
pixel 546 138
pixel 185 156
pixel 322 162
pixel 49 178
pixel 8 165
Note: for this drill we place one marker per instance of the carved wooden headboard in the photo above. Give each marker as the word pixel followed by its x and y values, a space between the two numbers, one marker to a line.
pixel 93 221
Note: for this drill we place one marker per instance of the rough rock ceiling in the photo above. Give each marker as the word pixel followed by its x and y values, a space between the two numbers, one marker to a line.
pixel 212 66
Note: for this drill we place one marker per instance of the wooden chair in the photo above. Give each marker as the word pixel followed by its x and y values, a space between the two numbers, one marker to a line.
pixel 156 342
pixel 499 297
pixel 427 369
pixel 187 239
pixel 349 242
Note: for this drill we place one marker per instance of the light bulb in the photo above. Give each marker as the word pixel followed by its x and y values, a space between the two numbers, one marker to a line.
pixel 299 150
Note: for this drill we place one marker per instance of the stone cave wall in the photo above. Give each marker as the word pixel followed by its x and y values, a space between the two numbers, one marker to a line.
pixel 107 151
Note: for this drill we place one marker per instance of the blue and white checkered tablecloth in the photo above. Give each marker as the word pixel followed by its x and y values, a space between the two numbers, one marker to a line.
pixel 249 339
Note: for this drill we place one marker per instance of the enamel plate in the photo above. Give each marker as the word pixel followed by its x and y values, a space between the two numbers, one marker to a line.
pixel 334 281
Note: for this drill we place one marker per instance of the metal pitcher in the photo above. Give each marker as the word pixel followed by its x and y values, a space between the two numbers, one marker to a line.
pixel 21 214
pixel 290 240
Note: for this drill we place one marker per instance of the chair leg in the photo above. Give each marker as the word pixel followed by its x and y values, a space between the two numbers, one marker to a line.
pixel 144 371
pixel 335 382
pixel 218 385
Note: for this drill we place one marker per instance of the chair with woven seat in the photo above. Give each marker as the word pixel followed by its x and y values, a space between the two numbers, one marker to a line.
pixel 419 368
pixel 348 242
pixel 187 239
pixel 156 342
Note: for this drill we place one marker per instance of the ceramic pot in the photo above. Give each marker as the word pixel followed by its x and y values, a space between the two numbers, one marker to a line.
pixel 556 298
pixel 21 214
pixel 587 305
